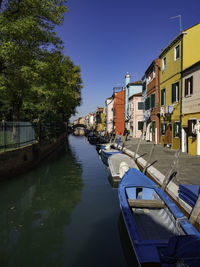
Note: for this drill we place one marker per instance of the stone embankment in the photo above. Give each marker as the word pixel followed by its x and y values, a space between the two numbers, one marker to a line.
pixel 23 159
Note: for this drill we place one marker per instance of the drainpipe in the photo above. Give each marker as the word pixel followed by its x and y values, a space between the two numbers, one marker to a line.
pixel 181 93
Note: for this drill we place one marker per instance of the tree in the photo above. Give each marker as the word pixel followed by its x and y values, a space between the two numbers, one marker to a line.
pixel 27 35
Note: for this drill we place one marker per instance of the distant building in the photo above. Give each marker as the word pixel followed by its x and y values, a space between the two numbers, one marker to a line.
pixel 118 111
pixel 100 120
pixel 136 115
pixel 109 123
pixel 131 88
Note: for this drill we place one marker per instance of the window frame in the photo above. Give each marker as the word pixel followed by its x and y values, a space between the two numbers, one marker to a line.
pixel 191 121
pixel 163 90
pixel 163 127
pixel 142 105
pixel 164 63
pixel 176 84
pixel 175 52
pixel 188 81
pixel 177 134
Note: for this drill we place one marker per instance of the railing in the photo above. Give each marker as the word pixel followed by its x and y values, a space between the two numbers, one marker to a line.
pixel 16 134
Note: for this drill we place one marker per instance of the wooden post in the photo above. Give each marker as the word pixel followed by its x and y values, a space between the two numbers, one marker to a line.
pixel 138 146
pixel 172 170
pixel 124 141
pixel 149 158
pixel 195 212
pixel 115 137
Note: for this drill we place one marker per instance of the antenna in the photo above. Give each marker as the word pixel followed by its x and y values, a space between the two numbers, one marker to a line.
pixel 178 16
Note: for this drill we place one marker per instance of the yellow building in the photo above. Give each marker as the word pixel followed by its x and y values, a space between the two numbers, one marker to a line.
pixel 180 54
pixel 100 120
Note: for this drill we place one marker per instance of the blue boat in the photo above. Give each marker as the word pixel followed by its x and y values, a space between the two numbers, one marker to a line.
pixel 159 232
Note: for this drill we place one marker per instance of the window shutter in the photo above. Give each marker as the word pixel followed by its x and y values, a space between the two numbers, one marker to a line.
pixel 162 97
pixel 173 92
pixel 191 85
pixel 186 87
pixel 177 84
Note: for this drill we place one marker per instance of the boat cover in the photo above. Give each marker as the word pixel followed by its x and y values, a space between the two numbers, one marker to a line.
pixel 189 193
pixel 184 248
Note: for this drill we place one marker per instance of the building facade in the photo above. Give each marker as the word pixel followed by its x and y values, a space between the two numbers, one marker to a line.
pixel 152 102
pixel 118 112
pixel 136 115
pixel 191 110
pixel 109 124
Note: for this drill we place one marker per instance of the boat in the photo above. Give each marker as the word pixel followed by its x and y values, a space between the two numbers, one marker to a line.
pixel 105 154
pixel 119 164
pixel 159 232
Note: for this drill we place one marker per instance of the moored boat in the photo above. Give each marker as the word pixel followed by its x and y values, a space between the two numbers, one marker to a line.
pixel 119 164
pixel 105 154
pixel 159 232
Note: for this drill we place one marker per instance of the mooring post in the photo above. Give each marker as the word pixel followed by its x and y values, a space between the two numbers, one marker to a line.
pixel 138 146
pixel 124 141
pixel 172 171
pixel 149 158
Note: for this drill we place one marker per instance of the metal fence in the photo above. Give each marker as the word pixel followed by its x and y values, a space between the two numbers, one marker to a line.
pixel 16 134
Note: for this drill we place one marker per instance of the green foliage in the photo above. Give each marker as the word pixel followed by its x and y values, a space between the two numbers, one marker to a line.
pixel 35 78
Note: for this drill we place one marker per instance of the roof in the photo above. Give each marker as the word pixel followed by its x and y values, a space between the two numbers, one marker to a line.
pixel 138 94
pixel 135 83
pixel 192 68
pixel 175 40
pixel 154 62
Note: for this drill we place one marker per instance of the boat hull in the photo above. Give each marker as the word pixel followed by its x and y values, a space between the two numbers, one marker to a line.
pixel 151 229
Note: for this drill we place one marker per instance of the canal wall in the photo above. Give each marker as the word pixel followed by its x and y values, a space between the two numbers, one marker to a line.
pixel 23 159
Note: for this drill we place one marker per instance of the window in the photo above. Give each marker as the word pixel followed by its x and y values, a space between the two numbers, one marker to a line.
pixel 153 126
pixel 154 72
pixel 189 86
pixel 147 103
pixel 152 100
pixel 175 92
pixel 177 52
pixel 140 105
pixel 191 124
pixel 140 125
pixel 163 97
pixel 177 129
pixel 164 63
pixel 143 86
pixel 163 128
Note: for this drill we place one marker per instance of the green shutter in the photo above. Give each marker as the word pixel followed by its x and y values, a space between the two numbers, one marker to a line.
pixel 162 97
pixel 173 92
pixel 152 100
pixel 140 105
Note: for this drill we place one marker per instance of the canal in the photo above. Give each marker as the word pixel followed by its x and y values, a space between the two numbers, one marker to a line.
pixel 63 213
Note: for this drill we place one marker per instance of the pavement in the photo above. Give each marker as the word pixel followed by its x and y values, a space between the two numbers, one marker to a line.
pixel 188 167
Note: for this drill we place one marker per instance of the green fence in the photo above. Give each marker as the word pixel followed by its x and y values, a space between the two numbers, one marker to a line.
pixel 16 134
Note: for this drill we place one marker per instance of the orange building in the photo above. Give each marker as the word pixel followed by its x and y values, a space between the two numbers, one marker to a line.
pixel 118 112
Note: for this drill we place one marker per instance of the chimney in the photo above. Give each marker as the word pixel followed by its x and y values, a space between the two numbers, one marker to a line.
pixel 127 77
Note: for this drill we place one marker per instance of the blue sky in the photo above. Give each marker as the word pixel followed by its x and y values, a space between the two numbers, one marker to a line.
pixel 109 38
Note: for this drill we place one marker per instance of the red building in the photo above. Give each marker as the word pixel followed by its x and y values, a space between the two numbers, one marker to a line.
pixel 153 100
pixel 118 112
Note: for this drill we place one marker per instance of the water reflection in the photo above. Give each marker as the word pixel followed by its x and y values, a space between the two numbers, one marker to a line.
pixel 64 213
pixel 34 209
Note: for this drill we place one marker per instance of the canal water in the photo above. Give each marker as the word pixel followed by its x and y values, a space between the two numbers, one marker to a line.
pixel 63 213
